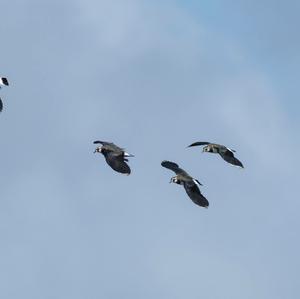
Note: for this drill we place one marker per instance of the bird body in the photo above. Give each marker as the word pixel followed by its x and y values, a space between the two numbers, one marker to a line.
pixel 115 156
pixel 189 183
pixel 225 152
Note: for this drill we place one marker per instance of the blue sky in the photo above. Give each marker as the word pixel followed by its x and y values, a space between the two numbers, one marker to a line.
pixel 151 76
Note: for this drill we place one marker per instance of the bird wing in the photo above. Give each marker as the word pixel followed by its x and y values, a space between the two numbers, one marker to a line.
pixel 173 166
pixel 199 143
pixel 1 105
pixel 194 194
pixel 229 157
pixel 101 142
pixel 117 163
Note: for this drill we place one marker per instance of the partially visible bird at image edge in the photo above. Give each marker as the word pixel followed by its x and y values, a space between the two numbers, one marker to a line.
pixel 3 82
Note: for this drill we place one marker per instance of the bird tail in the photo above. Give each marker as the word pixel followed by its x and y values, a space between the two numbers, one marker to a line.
pixel 128 155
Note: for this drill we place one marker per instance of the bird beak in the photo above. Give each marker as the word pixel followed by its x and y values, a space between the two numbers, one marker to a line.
pixel 95 151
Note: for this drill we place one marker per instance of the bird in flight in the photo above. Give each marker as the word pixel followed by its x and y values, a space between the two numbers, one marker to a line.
pixel 225 152
pixel 3 82
pixel 115 156
pixel 189 183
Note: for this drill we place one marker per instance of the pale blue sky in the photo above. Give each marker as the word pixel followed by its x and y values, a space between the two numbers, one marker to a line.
pixel 152 76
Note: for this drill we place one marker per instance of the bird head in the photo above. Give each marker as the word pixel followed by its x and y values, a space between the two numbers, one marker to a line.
pixel 98 150
pixel 174 179
pixel 205 149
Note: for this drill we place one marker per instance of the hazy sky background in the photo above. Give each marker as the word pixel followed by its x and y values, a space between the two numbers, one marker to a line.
pixel 151 76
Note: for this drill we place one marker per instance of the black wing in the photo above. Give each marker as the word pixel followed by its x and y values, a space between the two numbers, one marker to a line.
pixel 1 105
pixel 172 166
pixel 117 163
pixel 195 195
pixel 199 143
pixel 101 142
pixel 229 157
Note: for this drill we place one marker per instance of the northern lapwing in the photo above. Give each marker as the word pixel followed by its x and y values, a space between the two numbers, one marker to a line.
pixel 225 152
pixel 189 183
pixel 3 82
pixel 115 156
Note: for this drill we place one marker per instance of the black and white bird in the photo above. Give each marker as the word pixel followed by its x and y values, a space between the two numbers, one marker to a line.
pixel 189 183
pixel 3 82
pixel 225 152
pixel 115 156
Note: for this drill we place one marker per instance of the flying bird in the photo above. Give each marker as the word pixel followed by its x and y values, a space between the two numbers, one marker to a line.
pixel 3 81
pixel 225 152
pixel 115 156
pixel 189 183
